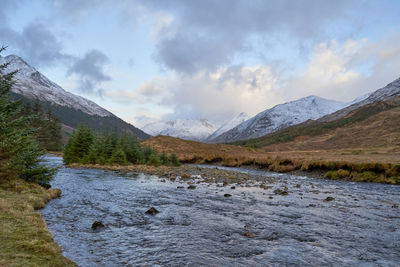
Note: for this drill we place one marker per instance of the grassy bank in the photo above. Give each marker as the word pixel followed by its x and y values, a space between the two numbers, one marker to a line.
pixel 381 165
pixel 25 239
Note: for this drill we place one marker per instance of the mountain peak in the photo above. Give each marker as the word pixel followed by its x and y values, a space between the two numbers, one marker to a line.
pixel 32 84
pixel 281 116
pixel 189 129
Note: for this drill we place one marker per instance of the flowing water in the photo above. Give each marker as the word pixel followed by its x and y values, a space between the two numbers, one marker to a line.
pixel 359 227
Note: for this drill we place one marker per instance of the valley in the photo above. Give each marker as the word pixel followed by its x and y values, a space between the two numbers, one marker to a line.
pixel 199 133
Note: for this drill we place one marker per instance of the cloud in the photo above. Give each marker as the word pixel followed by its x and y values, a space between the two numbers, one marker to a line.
pixel 90 70
pixel 213 95
pixel 348 70
pixel 209 34
pixel 36 44
pixel 192 36
pixel 335 70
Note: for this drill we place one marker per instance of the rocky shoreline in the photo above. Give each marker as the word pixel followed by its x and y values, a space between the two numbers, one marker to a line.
pixel 194 174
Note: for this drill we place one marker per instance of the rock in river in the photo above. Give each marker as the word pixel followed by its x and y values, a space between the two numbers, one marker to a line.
pixel 329 199
pixel 227 195
pixel 97 224
pixel 249 234
pixel 152 211
pixel 281 192
pixel 191 187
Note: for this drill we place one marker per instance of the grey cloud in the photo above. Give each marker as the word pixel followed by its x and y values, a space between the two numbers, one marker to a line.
pixel 90 70
pixel 35 43
pixel 40 47
pixel 208 34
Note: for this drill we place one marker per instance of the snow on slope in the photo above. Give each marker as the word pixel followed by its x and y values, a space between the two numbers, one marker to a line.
pixel 32 84
pixel 280 117
pixel 390 90
pixel 188 129
pixel 229 125
pixel 383 94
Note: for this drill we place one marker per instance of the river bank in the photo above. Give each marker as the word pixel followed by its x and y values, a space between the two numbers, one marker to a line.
pixel 25 238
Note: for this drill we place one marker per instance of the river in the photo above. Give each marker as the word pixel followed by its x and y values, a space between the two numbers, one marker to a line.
pixel 360 226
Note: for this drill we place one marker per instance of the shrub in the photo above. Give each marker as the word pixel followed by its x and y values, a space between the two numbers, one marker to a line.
pixel 174 160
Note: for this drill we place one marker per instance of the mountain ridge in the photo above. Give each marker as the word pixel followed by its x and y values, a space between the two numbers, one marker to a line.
pixel 229 125
pixel 71 109
pixel 279 117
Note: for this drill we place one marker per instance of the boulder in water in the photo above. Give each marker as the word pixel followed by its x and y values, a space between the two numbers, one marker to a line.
pixel 97 225
pixel 191 187
pixel 329 198
pixel 152 211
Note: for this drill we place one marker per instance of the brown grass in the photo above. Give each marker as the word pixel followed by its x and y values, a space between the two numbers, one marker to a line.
pixel 191 151
pixel 381 130
pixel 357 161
pixel 25 239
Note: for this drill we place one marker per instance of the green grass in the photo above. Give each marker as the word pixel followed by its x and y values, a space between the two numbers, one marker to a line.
pixel 25 239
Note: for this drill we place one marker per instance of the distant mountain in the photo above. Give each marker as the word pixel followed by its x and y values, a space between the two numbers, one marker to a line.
pixel 71 109
pixel 383 94
pixel 229 125
pixel 188 129
pixel 280 117
pixel 373 121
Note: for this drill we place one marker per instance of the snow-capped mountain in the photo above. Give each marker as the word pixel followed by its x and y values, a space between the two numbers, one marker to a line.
pixel 229 125
pixel 188 129
pixel 280 117
pixel 70 109
pixel 389 91
pixel 34 85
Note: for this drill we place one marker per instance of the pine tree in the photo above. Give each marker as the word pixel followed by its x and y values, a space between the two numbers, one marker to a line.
pixel 19 151
pixel 78 145
pixel 53 131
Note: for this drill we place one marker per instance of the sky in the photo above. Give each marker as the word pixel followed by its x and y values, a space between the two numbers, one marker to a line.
pixel 152 60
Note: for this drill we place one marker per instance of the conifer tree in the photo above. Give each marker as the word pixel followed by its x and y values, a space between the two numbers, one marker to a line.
pixel 53 131
pixel 78 145
pixel 19 151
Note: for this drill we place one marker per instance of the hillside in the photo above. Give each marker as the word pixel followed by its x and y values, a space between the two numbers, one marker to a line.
pixel 279 117
pixel 373 125
pixel 71 109
pixel 383 94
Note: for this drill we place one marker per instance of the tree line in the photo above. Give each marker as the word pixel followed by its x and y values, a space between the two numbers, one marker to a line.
pixel 87 147
pixel 48 127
